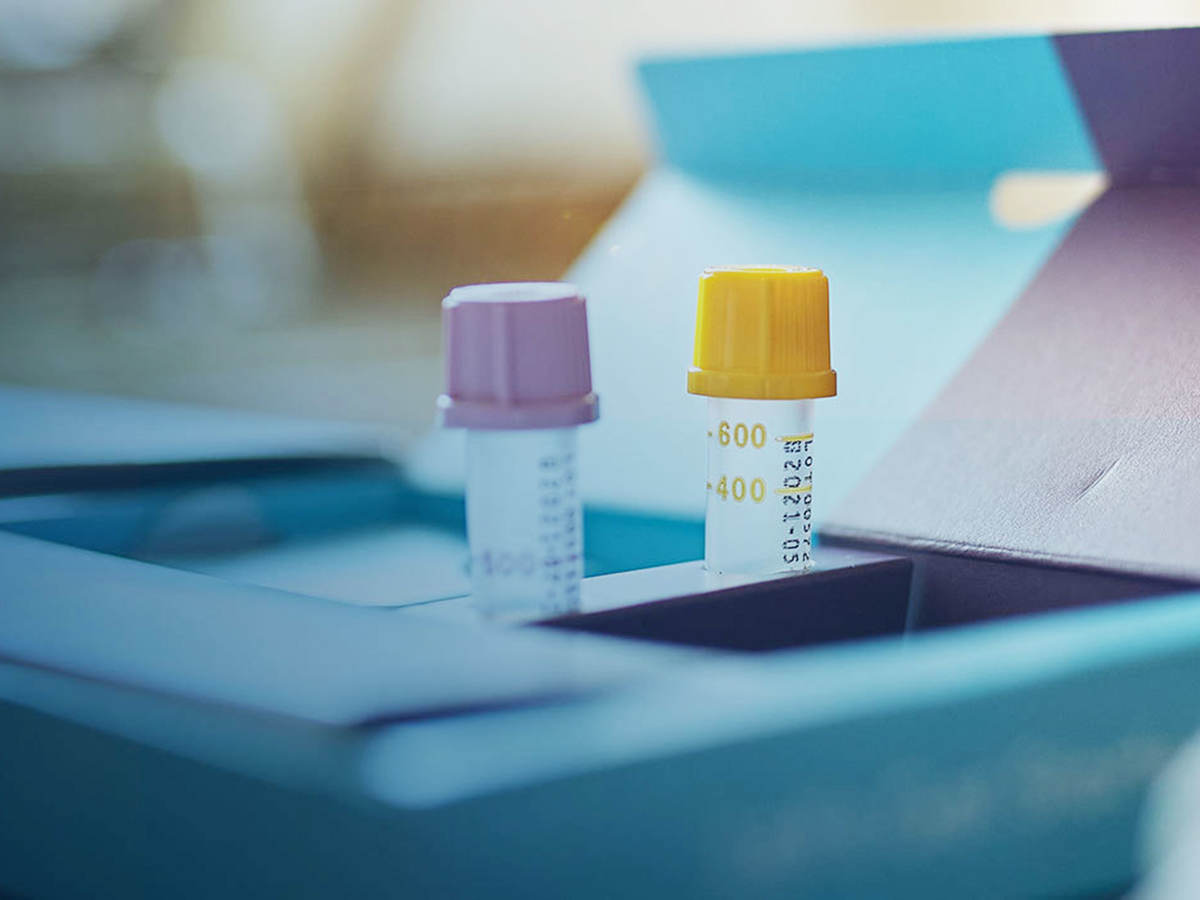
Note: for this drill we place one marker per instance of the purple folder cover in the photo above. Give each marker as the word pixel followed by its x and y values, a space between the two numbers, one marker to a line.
pixel 1072 435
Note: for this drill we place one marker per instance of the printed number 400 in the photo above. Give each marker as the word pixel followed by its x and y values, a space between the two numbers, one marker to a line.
pixel 737 489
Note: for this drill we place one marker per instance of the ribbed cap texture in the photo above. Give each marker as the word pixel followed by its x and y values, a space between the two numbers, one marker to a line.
pixel 516 357
pixel 762 333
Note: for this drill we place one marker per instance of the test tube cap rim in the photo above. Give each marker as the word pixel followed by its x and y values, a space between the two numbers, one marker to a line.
pixel 760 386
pixel 486 415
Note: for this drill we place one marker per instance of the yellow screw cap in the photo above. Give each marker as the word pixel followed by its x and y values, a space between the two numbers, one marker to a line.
pixel 762 333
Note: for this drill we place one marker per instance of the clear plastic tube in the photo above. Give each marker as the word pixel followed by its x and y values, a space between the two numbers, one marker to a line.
pixel 524 522
pixel 759 515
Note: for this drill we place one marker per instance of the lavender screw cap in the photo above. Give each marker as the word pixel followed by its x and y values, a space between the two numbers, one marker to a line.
pixel 516 357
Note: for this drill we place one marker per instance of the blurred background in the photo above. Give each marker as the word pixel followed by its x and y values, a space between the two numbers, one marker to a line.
pixel 260 203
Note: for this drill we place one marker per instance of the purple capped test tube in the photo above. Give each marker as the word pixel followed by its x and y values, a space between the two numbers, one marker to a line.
pixel 518 378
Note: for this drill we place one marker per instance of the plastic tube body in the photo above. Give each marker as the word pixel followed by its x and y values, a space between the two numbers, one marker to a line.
pixel 759 514
pixel 524 522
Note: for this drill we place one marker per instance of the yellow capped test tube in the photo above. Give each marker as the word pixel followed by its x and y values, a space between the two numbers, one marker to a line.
pixel 761 357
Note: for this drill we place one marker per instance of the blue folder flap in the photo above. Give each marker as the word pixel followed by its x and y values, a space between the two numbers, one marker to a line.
pixel 941 112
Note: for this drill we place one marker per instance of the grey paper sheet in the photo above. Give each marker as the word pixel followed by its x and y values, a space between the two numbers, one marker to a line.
pixel 169 631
